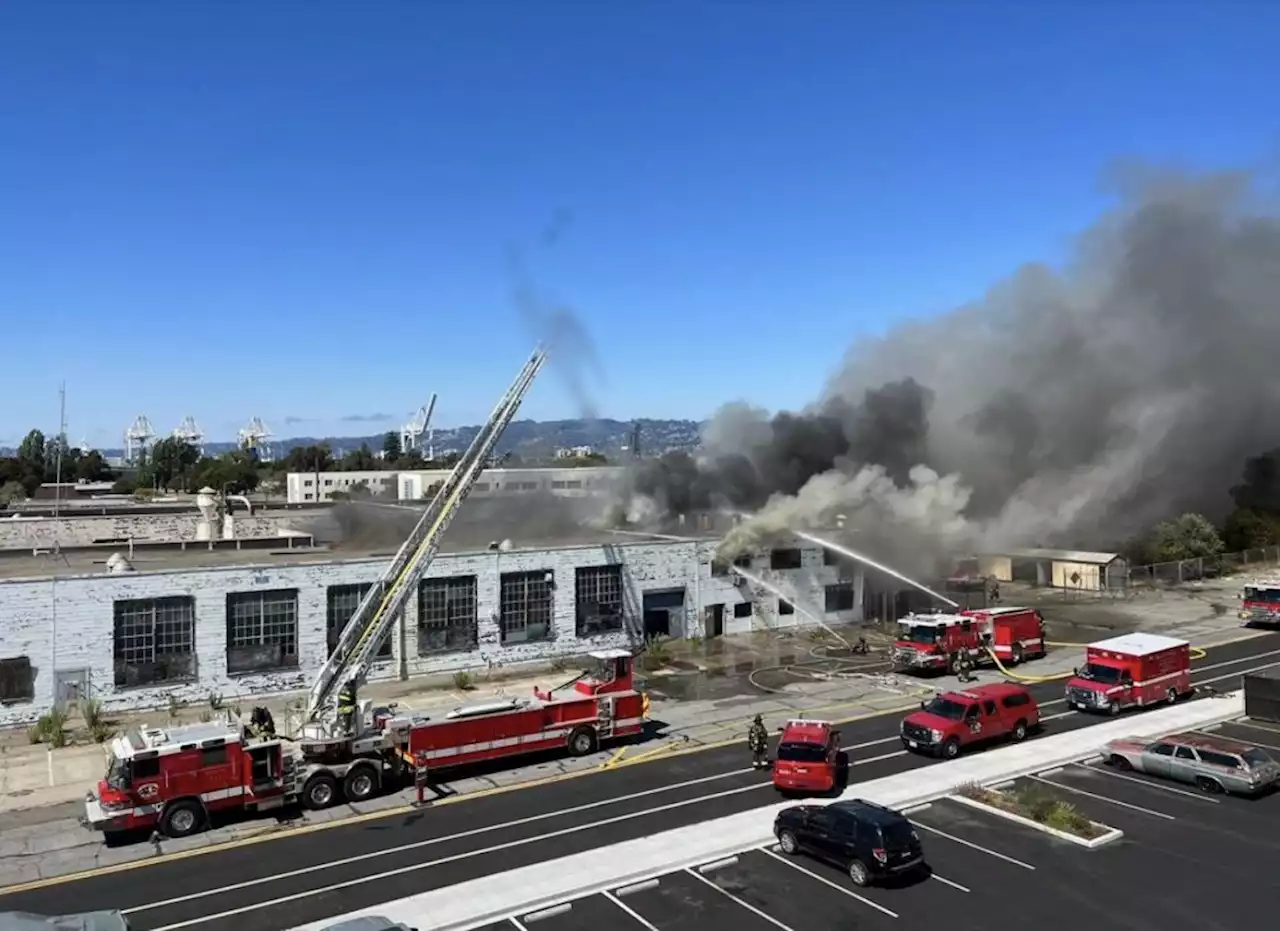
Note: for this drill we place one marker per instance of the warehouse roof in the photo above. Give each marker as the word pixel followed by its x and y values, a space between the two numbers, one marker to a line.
pixel 1082 556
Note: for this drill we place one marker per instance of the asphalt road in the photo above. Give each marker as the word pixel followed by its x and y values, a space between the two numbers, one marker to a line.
pixel 289 881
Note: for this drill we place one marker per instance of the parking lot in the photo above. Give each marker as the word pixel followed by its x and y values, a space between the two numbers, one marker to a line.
pixel 1187 860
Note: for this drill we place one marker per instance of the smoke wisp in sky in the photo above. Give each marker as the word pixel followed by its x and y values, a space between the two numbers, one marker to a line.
pixel 1070 407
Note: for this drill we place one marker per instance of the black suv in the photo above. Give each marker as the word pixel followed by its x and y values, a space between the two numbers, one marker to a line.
pixel 866 839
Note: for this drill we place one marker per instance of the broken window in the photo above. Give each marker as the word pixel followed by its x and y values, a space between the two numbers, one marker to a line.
pixel 598 591
pixel 17 680
pixel 743 561
pixel 154 641
pixel 262 631
pixel 342 603
pixel 447 616
pixel 780 560
pixel 839 597
pixel 742 609
pixel 829 557
pixel 785 607
pixel 525 606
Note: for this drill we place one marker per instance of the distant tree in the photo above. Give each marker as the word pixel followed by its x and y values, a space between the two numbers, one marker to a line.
pixel 1246 529
pixel 391 446
pixel 360 460
pixel 124 486
pixel 1191 536
pixel 12 491
pixel 171 464
pixel 411 460
pixel 314 458
pixel 91 467
pixel 236 472
pixel 1259 488
pixel 31 451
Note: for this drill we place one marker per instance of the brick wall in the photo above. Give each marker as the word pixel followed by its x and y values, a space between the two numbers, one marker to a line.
pixel 78 615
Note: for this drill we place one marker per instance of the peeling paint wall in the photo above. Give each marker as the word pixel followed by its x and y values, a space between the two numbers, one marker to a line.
pixel 43 532
pixel 68 623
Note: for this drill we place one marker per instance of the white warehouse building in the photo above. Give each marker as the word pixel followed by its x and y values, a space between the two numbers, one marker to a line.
pixel 190 622
pixel 311 487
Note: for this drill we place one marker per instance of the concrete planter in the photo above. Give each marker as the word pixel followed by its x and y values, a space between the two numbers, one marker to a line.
pixel 1109 834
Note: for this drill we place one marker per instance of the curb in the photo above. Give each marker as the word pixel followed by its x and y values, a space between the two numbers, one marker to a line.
pixel 1109 836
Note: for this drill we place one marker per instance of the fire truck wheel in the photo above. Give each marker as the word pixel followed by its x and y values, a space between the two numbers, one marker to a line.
pixel 321 791
pixel 951 749
pixel 182 819
pixel 787 841
pixel 1017 654
pixel 1172 696
pixel 361 784
pixel 582 741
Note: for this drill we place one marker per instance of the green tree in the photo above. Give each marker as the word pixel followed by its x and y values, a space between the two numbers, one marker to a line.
pixel 391 446
pixel 91 467
pixel 10 492
pixel 171 464
pixel 360 460
pixel 1247 529
pixel 235 472
pixel 314 458
pixel 1191 536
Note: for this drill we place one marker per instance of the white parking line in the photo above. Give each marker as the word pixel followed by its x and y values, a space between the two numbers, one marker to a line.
pixel 644 922
pixel 1250 740
pixel 1103 798
pixel 747 905
pixel 1256 727
pixel 1147 785
pixel 826 882
pixel 516 922
pixel 948 882
pixel 968 843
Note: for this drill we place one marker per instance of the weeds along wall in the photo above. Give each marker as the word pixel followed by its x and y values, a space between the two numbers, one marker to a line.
pixel 139 640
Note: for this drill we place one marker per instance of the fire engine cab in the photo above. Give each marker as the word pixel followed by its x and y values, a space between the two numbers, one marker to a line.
pixel 808 757
pixel 173 779
pixel 1133 670
pixel 1260 602
pixel 934 642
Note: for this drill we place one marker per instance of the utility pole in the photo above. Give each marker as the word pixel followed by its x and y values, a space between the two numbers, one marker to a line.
pixel 62 444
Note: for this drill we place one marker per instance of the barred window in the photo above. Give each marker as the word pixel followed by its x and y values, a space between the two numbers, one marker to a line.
pixel 17 680
pixel 839 597
pixel 525 606
pixel 262 630
pixel 342 601
pixel 598 596
pixel 154 640
pixel 447 616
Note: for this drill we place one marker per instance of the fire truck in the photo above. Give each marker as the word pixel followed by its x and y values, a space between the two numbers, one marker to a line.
pixel 1131 670
pixel 174 779
pixel 935 642
pixel 1260 602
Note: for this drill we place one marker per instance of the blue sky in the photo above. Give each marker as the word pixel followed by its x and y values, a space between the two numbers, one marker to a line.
pixel 304 210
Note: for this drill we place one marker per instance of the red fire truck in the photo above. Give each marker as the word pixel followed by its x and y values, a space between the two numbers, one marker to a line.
pixel 808 757
pixel 1260 602
pixel 1131 670
pixel 934 642
pixel 173 779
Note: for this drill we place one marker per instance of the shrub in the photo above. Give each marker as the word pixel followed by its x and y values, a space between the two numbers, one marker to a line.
pixel 462 681
pixel 100 731
pixel 91 711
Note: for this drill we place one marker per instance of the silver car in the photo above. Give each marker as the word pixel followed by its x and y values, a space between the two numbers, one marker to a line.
pixel 1213 764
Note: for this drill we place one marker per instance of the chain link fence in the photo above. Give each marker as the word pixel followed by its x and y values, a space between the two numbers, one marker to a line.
pixel 1258 561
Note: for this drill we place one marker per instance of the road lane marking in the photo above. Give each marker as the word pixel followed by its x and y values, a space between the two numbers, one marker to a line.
pixel 1145 784
pixel 826 882
pixel 384 814
pixel 968 843
pixel 747 905
pixel 1104 798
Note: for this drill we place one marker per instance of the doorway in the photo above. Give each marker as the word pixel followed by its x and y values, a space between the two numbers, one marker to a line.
pixel 658 608
pixel 714 621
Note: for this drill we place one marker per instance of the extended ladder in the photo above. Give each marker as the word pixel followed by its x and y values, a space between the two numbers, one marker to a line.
pixel 374 616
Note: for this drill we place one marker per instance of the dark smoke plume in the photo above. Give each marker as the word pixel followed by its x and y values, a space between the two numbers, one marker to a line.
pixel 1070 407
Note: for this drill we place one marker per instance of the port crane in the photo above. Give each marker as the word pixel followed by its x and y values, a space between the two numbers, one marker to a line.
pixel 373 619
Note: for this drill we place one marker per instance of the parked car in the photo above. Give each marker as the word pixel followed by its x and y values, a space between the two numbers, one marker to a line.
pixel 1213 764
pixel 954 720
pixel 808 757
pixel 866 840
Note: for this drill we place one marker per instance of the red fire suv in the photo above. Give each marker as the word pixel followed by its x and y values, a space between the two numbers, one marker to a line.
pixel 955 720
pixel 808 757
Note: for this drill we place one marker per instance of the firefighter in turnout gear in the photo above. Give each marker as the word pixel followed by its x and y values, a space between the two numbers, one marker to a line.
pixel 758 743
pixel 347 706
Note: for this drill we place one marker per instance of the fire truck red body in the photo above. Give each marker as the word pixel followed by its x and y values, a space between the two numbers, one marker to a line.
pixel 1131 670
pixel 934 642
pixel 1260 602
pixel 174 779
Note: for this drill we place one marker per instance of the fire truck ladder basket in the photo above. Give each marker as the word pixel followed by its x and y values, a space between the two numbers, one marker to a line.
pixel 373 618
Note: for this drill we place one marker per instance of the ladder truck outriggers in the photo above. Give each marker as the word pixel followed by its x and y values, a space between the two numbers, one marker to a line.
pixel 171 780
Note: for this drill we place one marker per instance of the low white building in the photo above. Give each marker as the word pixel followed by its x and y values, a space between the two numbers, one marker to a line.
pixel 309 487
pixel 261 622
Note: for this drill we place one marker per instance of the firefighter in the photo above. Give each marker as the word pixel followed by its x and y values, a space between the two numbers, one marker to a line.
pixel 347 706
pixel 964 667
pixel 261 723
pixel 758 743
